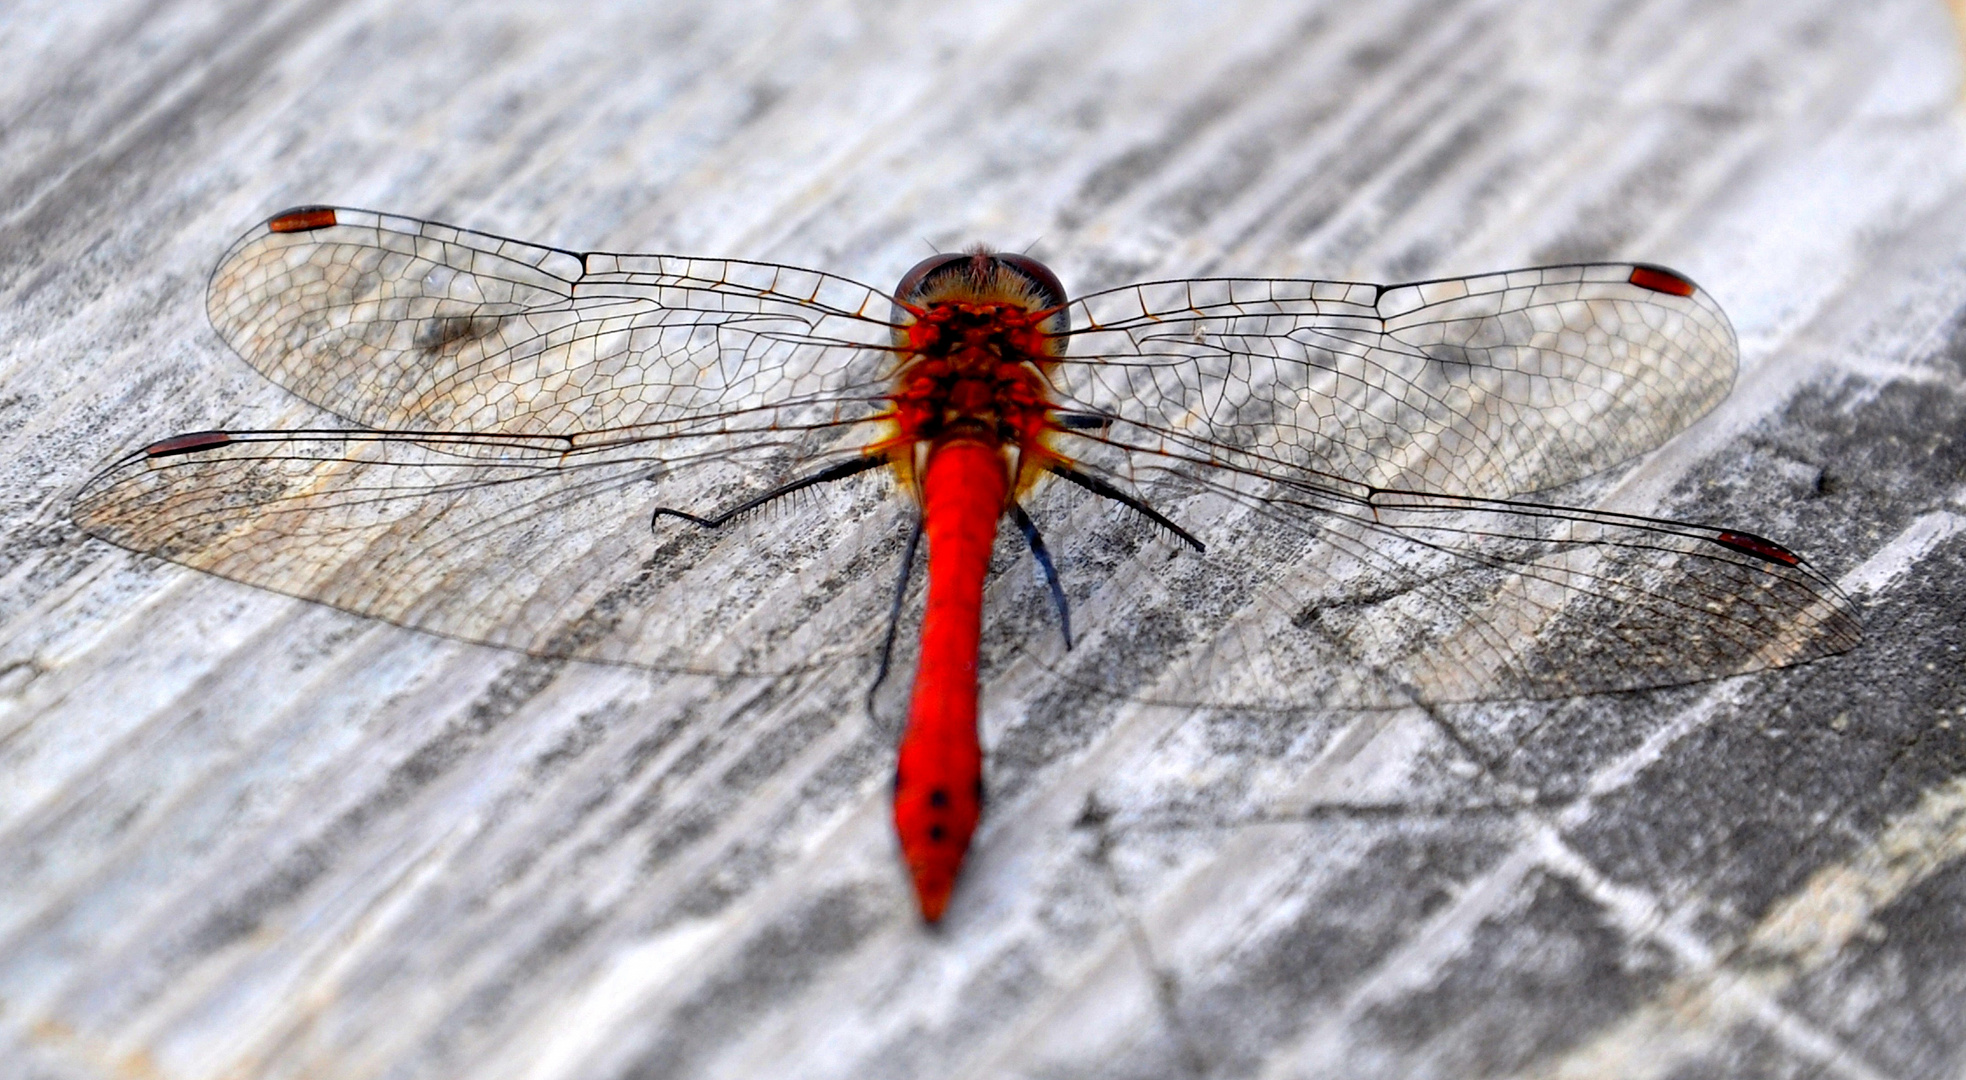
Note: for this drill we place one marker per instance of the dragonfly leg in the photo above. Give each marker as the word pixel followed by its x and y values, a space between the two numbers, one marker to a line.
pixel 1043 555
pixel 824 476
pixel 894 610
pixel 1107 491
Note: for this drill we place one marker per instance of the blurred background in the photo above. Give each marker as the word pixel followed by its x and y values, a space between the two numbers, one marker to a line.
pixel 246 836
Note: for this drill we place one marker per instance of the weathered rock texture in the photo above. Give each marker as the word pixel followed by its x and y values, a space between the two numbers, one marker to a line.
pixel 245 836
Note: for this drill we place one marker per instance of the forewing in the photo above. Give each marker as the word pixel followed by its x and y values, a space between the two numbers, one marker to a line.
pixel 525 543
pixel 1485 386
pixel 396 324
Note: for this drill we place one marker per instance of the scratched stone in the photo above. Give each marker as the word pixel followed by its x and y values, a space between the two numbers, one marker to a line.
pixel 242 835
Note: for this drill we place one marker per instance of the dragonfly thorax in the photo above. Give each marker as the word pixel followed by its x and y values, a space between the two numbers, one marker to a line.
pixel 981 388
pixel 975 333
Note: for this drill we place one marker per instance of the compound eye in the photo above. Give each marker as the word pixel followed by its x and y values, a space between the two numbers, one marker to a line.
pixel 917 276
pixel 1049 288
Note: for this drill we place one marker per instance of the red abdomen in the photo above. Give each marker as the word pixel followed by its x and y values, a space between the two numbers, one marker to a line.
pixel 938 781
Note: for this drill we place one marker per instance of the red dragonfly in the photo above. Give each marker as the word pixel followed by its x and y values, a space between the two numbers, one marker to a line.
pixel 517 418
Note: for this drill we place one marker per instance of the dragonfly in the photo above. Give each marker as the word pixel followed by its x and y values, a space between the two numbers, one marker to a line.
pixel 1287 492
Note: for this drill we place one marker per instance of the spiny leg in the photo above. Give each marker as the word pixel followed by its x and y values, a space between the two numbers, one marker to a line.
pixel 824 476
pixel 1043 555
pixel 1107 491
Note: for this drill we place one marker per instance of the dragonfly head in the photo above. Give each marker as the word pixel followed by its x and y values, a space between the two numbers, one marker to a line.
pixel 980 276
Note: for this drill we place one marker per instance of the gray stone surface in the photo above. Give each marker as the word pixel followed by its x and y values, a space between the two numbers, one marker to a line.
pixel 242 835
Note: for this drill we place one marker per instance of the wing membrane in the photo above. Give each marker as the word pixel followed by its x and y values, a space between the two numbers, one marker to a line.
pixel 1485 386
pixel 1321 596
pixel 395 323
pixel 514 542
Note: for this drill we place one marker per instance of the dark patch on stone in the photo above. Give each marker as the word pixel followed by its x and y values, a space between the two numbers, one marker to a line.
pixel 243 916
pixel 1530 985
pixel 516 984
pixel 298 871
pixel 1242 1007
pixel 774 966
pixel 1895 993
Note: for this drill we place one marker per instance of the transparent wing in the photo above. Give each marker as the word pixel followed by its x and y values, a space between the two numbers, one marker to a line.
pixel 1485 386
pixel 1316 594
pixel 1362 441
pixel 525 543
pixel 523 411
pixel 395 323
